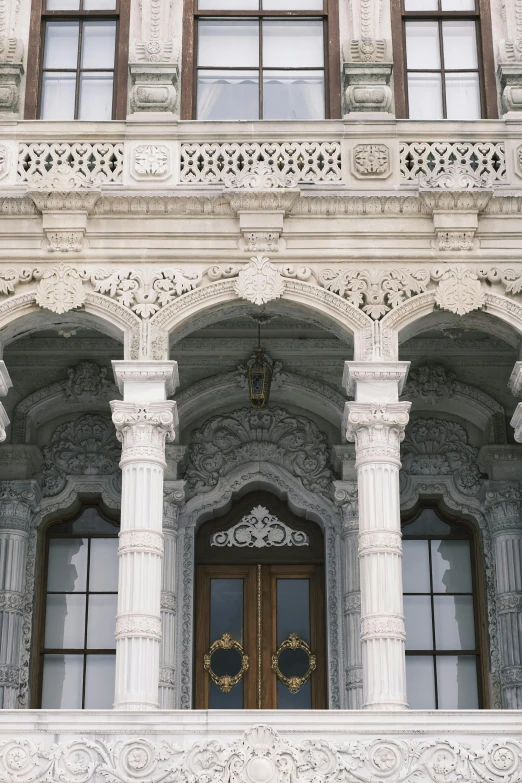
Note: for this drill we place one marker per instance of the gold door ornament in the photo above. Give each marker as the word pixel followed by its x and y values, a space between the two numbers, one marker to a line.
pixel 226 681
pixel 294 642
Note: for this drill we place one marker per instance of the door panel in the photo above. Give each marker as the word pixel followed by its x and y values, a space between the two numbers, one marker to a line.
pixel 260 637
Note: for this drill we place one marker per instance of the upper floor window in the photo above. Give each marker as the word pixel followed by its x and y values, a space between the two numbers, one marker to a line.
pixel 444 60
pixel 77 647
pixel 79 60
pixel 442 633
pixel 261 59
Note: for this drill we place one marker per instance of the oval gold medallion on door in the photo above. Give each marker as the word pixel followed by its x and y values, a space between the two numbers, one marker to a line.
pixel 260 625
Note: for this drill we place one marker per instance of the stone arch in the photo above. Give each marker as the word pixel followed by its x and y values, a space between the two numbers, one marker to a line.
pixel 272 478
pixel 21 315
pixel 199 400
pixel 203 306
pixel 499 316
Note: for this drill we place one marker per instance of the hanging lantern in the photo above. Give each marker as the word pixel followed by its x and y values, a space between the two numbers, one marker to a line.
pixel 259 380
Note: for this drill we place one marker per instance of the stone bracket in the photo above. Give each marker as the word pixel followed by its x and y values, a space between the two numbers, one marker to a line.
pixel 261 231
pixel 509 76
pixel 10 80
pixel 154 88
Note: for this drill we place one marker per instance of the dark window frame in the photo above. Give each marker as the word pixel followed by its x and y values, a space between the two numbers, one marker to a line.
pixel 52 531
pixel 485 54
pixel 39 18
pixel 332 60
pixel 461 530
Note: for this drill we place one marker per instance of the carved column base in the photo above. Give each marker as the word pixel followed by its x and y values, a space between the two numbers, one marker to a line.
pixel 510 79
pixel 10 78
pixel 367 87
pixel 153 87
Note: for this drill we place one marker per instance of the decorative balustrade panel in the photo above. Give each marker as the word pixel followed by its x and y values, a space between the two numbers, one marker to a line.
pixel 421 160
pixel 304 161
pixel 82 162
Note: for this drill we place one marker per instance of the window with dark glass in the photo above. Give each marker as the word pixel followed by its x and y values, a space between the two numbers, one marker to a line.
pixel 77 653
pixel 79 58
pixel 446 60
pixel 261 59
pixel 442 645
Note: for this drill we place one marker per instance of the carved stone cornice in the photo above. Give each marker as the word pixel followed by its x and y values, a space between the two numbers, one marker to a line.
pixel 377 430
pixel 143 429
pixel 64 200
pixel 164 375
pixel 261 200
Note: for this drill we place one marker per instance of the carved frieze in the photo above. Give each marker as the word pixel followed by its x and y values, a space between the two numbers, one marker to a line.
pixel 259 529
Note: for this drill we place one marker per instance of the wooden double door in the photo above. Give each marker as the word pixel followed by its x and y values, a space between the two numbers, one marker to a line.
pixel 260 617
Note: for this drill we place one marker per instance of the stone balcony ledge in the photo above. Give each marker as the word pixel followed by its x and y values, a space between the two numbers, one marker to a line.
pixel 260 746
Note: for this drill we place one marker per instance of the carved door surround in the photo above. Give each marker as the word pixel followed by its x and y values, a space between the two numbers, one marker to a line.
pixel 251 559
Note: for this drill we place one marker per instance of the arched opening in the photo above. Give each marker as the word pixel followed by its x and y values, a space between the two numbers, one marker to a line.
pixel 444 636
pixel 260 609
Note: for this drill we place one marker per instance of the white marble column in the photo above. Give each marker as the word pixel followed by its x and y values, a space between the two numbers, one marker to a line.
pixel 515 384
pixel 173 497
pixel 144 420
pixel 376 422
pixel 18 502
pixel 345 496
pixel 5 385
pixel 504 506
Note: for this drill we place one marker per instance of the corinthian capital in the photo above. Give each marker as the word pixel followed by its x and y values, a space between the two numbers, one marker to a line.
pixel 376 429
pixel 18 502
pixel 143 429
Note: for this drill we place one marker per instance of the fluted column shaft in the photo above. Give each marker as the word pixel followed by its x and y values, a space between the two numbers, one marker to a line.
pixel 515 384
pixel 18 501
pixel 345 496
pixel 377 429
pixel 505 521
pixel 173 497
pixel 143 421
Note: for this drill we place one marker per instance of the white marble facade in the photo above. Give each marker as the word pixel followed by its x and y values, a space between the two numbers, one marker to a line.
pixel 127 288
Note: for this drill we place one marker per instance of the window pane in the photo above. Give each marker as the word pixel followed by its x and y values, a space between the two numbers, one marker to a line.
pixel 290 95
pixel 99 5
pixel 98 44
pixel 454 624
pixel 226 608
pixel 415 567
pixel 457 682
pixel 67 569
pixel 293 609
pixel 463 96
pixel 99 682
pixel 62 682
pixel 451 564
pixel 61 45
pixel 420 682
pixel 228 44
pixel 422 45
pixel 428 523
pixel 424 96
pixel 460 45
pixel 458 5
pixel 233 700
pixel 228 5
pixel 63 5
pixel 103 576
pixel 293 5
pixel 95 96
pixel 417 615
pixel 58 96
pixel 101 621
pixel 232 95
pixel 293 44
pixel 420 5
pixel 302 700
pixel 65 621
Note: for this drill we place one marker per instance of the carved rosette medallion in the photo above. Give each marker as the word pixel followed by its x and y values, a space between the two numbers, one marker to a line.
pixel 371 160
pixel 259 282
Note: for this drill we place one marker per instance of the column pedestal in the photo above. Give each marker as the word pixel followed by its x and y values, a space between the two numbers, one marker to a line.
pixel 144 421
pixel 376 422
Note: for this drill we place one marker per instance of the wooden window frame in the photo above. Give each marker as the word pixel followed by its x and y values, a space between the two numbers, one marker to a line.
pixel 40 16
pixel 477 594
pixel 50 532
pixel 485 54
pixel 332 59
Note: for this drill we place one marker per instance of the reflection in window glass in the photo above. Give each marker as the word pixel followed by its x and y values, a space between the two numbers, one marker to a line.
pixel 226 609
pixel 441 648
pixel 80 615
